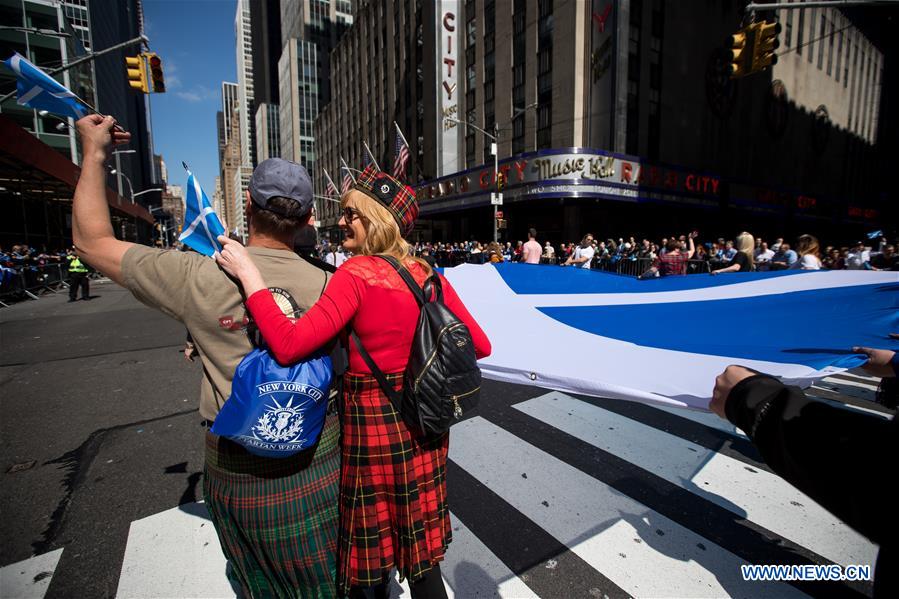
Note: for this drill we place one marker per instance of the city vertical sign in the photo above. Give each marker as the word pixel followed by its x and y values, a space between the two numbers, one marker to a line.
pixel 448 91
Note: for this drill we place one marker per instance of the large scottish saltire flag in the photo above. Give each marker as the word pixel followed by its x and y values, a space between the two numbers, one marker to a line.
pixel 201 224
pixel 665 340
pixel 36 89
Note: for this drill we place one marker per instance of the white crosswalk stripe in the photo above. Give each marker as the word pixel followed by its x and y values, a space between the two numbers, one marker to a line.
pixel 641 551
pixel 622 537
pixel 757 495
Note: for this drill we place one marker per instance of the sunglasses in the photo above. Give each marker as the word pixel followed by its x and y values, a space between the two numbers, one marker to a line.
pixel 350 214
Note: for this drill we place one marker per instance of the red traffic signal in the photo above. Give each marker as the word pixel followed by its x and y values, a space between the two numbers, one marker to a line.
pixel 157 79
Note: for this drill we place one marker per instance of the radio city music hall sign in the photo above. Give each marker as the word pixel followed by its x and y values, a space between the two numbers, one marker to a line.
pixel 583 168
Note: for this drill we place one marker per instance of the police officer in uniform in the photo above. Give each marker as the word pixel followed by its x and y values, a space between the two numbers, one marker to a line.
pixel 77 276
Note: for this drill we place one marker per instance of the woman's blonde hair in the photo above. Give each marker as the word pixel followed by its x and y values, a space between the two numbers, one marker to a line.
pixel 382 233
pixel 745 243
pixel 808 244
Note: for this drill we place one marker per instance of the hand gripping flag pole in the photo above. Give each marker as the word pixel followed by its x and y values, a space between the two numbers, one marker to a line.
pixel 205 225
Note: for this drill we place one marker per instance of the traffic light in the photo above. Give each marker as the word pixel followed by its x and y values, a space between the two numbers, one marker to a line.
pixel 500 181
pixel 137 73
pixel 766 43
pixel 156 76
pixel 740 50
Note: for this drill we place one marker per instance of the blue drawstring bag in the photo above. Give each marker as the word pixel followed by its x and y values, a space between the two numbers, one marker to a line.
pixel 276 411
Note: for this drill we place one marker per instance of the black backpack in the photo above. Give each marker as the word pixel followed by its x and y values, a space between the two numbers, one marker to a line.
pixel 442 379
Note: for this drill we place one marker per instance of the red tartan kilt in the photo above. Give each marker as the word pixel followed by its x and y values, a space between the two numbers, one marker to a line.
pixel 393 505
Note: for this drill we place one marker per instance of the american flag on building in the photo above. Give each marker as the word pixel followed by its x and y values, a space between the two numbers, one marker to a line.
pixel 401 154
pixel 348 181
pixel 330 190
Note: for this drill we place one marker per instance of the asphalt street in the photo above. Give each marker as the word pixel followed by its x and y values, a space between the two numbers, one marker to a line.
pixel 551 495
pixel 99 427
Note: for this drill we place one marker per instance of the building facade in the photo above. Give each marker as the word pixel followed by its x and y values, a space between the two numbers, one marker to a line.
pixel 309 32
pixel 268 131
pixel 51 33
pixel 231 165
pixel 616 117
pixel 245 82
pixel 379 76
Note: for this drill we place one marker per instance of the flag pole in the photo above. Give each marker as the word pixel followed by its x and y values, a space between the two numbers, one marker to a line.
pixel 370 155
pixel 348 169
pixel 400 131
pixel 408 147
pixel 330 180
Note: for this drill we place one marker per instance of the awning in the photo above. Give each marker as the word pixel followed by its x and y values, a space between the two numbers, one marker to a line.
pixel 34 170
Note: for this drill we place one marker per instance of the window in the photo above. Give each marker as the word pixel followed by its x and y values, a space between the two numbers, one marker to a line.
pixel 821 42
pixel 839 53
pixel 518 134
pixel 800 32
pixel 830 49
pixel 788 28
pixel 846 65
pixel 811 35
pixel 544 125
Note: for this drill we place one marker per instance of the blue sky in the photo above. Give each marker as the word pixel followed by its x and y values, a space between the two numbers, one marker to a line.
pixel 195 39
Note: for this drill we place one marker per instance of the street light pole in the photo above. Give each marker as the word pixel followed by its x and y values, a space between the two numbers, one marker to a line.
pixel 495 150
pixel 495 177
pixel 119 173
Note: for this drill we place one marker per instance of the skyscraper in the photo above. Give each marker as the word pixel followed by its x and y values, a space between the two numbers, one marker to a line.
pixel 245 90
pixel 304 70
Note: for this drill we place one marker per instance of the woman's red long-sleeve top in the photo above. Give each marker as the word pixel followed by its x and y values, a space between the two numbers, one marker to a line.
pixel 369 294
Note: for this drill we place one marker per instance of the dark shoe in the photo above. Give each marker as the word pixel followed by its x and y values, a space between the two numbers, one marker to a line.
pixel 72 299
pixel 87 299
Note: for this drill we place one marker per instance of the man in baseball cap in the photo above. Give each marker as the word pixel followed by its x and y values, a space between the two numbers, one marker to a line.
pixel 277 179
pixel 244 493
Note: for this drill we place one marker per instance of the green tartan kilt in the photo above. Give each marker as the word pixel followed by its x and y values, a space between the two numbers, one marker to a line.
pixel 277 519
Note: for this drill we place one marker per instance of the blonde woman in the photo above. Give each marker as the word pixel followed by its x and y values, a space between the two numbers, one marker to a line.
pixel 494 253
pixel 808 250
pixel 393 501
pixel 742 260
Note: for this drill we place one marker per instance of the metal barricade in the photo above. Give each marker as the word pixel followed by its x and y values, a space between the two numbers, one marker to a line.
pixel 633 268
pixel 47 278
pixel 698 267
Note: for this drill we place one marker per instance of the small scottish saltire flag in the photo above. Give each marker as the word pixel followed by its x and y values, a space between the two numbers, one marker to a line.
pixel 36 89
pixel 875 234
pixel 202 225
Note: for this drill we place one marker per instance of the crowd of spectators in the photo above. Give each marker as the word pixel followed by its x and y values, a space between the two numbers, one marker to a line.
pixel 23 266
pixel 779 254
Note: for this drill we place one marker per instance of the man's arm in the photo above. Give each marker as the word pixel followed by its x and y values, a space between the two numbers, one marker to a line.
pixel 91 226
pixel 831 454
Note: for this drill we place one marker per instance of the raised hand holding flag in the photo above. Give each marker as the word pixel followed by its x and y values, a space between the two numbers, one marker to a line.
pixel 202 225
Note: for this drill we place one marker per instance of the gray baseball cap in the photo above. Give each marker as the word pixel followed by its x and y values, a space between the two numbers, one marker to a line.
pixel 277 177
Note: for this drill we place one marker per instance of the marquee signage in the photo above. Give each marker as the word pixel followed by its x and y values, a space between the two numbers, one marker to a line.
pixel 579 171
pixel 572 172
pixel 448 131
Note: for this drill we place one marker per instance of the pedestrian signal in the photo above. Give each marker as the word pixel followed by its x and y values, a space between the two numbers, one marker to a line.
pixel 136 67
pixel 766 43
pixel 156 76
